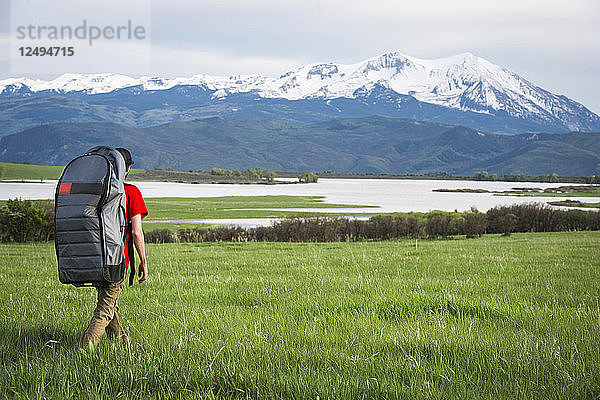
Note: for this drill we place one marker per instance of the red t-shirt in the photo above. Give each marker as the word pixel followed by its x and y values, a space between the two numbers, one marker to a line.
pixel 135 206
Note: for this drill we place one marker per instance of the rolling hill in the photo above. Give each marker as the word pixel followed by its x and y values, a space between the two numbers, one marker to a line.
pixel 373 144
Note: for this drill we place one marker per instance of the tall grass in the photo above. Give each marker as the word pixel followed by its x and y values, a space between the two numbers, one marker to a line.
pixel 498 317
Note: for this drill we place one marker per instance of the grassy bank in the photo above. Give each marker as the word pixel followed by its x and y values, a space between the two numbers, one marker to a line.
pixel 574 203
pixel 563 191
pixel 176 208
pixel 163 209
pixel 162 175
pixel 501 317
pixel 578 191
pixel 12 171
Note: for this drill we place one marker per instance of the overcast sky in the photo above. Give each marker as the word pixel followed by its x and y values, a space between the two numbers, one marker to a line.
pixel 553 43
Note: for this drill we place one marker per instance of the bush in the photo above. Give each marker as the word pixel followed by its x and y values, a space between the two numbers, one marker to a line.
pixel 509 223
pixel 475 224
pixel 308 177
pixel 25 221
pixel 505 220
pixel 269 176
pixel 48 207
pixel 438 225
pixel 159 236
pixel 536 217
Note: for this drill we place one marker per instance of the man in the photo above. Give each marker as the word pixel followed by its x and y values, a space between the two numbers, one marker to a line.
pixel 105 315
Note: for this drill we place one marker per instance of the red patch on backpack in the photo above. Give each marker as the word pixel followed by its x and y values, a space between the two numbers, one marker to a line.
pixel 65 188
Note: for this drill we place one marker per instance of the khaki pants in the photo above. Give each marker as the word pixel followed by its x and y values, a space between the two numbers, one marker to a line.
pixel 105 316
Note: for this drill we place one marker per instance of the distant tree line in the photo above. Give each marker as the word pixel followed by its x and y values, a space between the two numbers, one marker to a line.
pixel 484 176
pixel 253 173
pixel 549 178
pixel 258 173
pixel 532 217
pixel 477 176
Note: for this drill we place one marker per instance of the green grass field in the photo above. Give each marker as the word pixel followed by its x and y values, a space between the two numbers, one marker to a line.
pixel 234 207
pixel 497 317
pixel 13 171
pixel 164 209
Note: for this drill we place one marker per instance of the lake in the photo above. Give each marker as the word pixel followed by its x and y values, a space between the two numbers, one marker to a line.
pixel 388 194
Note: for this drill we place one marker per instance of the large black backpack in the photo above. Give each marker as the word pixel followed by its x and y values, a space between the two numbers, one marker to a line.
pixel 90 220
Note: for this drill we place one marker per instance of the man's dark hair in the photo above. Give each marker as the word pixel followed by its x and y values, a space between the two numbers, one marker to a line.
pixel 126 155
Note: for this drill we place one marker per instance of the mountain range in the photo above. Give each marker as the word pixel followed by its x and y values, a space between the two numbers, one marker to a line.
pixel 372 144
pixel 460 90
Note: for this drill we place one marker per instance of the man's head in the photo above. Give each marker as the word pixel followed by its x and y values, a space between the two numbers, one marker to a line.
pixel 127 156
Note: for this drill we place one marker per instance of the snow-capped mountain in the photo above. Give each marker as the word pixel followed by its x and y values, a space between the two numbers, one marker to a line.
pixel 463 82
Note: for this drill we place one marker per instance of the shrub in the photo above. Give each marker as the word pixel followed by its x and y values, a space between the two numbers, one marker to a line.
pixel 536 217
pixel 508 223
pixel 269 176
pixel 312 229
pixel 159 236
pixel 438 225
pixel 24 221
pixel 48 207
pixel 505 220
pixel 414 227
pixel 307 177
pixel 475 224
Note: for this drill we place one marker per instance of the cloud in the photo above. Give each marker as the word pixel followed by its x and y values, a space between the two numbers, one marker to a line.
pixel 351 30
pixel 196 61
pixel 553 43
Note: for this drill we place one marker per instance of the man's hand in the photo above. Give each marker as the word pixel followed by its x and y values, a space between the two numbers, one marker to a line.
pixel 143 271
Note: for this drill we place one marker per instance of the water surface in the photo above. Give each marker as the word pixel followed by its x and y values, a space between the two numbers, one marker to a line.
pixel 388 194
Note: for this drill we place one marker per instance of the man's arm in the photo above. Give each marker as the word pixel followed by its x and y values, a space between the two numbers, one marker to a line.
pixel 138 240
